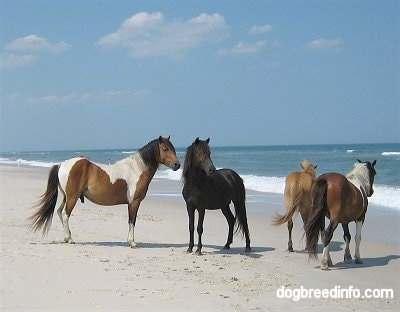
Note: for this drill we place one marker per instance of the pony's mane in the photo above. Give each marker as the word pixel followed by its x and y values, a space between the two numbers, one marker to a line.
pixel 308 167
pixel 360 173
pixel 188 162
pixel 189 156
pixel 150 153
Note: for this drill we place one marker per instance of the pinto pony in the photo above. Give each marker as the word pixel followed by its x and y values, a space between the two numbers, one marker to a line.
pixel 125 182
pixel 341 199
pixel 297 197
pixel 207 188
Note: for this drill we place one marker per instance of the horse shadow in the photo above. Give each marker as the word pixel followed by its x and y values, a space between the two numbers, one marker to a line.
pixel 138 244
pixel 256 252
pixel 367 263
pixel 333 246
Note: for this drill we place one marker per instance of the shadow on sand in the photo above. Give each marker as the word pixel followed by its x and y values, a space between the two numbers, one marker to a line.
pixel 367 263
pixel 256 252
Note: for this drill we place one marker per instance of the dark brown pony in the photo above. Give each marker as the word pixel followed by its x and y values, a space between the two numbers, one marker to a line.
pixel 125 182
pixel 208 188
pixel 342 199
pixel 297 197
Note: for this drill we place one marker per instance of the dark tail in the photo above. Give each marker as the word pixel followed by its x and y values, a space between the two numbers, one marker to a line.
pixel 44 214
pixel 241 225
pixel 316 222
pixel 280 219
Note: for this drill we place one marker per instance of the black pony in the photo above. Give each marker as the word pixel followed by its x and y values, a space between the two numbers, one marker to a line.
pixel 208 188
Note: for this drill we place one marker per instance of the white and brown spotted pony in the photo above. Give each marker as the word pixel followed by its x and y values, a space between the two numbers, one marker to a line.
pixel 125 182
pixel 342 199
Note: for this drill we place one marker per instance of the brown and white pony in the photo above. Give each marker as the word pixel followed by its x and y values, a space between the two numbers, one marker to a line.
pixel 297 197
pixel 125 182
pixel 342 199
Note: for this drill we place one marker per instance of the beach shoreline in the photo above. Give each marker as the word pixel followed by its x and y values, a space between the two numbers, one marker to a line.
pixel 99 272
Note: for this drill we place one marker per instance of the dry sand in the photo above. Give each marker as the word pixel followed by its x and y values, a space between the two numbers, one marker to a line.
pixel 100 273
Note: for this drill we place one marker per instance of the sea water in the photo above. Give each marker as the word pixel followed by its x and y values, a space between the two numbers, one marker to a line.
pixel 263 168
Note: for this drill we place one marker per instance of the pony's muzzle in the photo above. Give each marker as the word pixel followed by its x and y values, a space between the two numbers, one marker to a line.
pixel 211 170
pixel 175 166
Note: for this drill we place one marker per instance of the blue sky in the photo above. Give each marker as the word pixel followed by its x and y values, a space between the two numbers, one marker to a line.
pixel 117 74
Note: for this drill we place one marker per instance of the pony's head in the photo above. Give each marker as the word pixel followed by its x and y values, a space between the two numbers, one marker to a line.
pixel 167 153
pixel 365 172
pixel 160 151
pixel 309 168
pixel 198 156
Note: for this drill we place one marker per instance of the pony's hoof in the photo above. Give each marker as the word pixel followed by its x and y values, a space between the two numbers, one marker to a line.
pixel 358 261
pixel 325 268
pixel 132 244
pixel 69 240
pixel 189 250
pixel 227 247
pixel 348 259
pixel 290 249
pixel 198 252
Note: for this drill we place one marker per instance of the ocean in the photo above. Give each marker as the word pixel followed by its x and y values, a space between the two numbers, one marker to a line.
pixel 263 168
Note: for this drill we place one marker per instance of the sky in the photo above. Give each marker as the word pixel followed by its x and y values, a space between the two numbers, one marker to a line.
pixel 118 74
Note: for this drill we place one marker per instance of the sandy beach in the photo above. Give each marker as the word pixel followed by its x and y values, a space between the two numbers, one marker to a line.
pixel 101 273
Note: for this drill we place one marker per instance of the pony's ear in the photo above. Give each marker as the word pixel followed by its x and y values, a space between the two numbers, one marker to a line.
pixel 208 140
pixel 373 163
pixel 160 139
pixel 359 161
pixel 169 137
pixel 301 165
pixel 196 141
pixel 315 167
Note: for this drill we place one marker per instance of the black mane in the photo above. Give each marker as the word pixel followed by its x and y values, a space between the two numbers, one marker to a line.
pixel 188 163
pixel 150 154
pixel 204 149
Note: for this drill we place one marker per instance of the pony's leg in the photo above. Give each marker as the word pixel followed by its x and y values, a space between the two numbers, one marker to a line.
pixel 59 210
pixel 65 215
pixel 290 228
pixel 357 257
pixel 200 230
pixel 231 223
pixel 190 211
pixel 347 238
pixel 304 217
pixel 133 208
pixel 326 261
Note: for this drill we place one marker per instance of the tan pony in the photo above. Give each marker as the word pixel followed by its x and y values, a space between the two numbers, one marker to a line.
pixel 297 197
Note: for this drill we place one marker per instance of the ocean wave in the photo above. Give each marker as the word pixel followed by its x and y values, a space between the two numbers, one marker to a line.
pixel 169 174
pixel 264 184
pixel 390 153
pixel 384 196
pixel 22 162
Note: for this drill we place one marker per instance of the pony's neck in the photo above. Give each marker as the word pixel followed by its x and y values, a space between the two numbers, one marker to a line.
pixel 359 177
pixel 196 176
pixel 150 155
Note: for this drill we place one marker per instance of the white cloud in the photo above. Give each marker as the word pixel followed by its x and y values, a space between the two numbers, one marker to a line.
pixel 260 29
pixel 110 96
pixel 35 43
pixel 13 60
pixel 242 48
pixel 322 44
pixel 149 34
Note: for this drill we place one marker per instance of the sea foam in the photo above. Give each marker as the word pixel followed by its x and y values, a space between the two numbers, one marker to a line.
pixel 384 196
